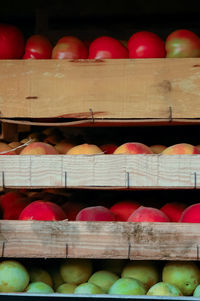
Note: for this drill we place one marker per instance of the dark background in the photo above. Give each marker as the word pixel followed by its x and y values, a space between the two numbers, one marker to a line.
pixel 89 18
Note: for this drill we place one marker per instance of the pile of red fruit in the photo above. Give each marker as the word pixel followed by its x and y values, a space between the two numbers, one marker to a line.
pixel 142 44
pixel 20 205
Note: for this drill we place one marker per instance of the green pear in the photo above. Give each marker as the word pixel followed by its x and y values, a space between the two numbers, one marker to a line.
pixel 184 275
pixel 13 276
pixel 103 279
pixel 144 271
pixel 88 288
pixel 197 291
pixel 39 274
pixel 127 286
pixel 76 271
pixel 164 289
pixel 66 288
pixel 39 287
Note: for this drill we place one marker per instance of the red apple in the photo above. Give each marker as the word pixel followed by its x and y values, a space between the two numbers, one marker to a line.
pixel 107 48
pixel 123 209
pixel 173 211
pixel 38 47
pixel 148 214
pixel 70 47
pixel 42 211
pixel 97 213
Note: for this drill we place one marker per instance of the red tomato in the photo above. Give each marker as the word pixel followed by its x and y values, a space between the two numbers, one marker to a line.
pixel 182 43
pixel 70 47
pixel 11 42
pixel 107 48
pixel 145 44
pixel 38 47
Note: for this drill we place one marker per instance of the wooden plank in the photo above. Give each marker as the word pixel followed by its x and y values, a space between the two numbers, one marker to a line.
pixel 109 88
pixel 136 241
pixel 101 171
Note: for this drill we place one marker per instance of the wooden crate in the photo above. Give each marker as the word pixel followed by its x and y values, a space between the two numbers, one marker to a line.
pixel 164 89
pixel 135 241
pixel 101 171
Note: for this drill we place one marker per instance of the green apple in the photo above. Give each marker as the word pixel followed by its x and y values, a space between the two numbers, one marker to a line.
pixel 76 271
pixel 39 287
pixel 66 288
pixel 164 289
pixel 144 271
pixel 127 286
pixel 184 275
pixel 39 274
pixel 13 276
pixel 103 279
pixel 88 288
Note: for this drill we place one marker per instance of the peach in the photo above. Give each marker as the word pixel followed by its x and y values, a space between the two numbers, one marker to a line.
pixel 12 204
pixel 16 144
pixel 71 209
pixel 181 149
pixel 123 209
pixel 191 214
pixel 42 211
pixel 39 148
pixel 63 146
pixel 198 147
pixel 84 149
pixel 108 148
pixel 173 210
pixel 96 213
pixel 157 148
pixel 133 148
pixel 5 149
pixel 148 214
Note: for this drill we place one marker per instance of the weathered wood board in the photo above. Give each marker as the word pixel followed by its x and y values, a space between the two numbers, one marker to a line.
pixel 136 241
pixel 142 88
pixel 100 171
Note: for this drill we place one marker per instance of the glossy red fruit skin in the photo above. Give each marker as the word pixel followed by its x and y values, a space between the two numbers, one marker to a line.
pixel 38 47
pixel 11 42
pixel 182 43
pixel 191 214
pixel 146 44
pixel 107 48
pixel 173 210
pixel 123 209
pixel 42 211
pixel 70 47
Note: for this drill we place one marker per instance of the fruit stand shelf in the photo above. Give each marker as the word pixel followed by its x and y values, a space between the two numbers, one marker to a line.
pixel 140 241
pixel 100 171
pixel 113 89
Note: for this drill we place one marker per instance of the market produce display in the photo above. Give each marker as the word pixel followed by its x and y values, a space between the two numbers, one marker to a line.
pixel 51 205
pixel 84 276
pixel 142 44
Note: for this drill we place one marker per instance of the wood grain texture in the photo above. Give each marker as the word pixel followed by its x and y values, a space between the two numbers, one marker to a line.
pixel 110 88
pixel 101 171
pixel 149 241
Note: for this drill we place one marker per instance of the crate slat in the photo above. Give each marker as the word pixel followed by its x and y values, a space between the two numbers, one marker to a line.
pixel 109 88
pixel 101 171
pixel 148 241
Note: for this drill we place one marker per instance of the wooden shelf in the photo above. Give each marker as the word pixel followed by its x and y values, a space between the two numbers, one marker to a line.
pixel 148 241
pixel 101 171
pixel 112 89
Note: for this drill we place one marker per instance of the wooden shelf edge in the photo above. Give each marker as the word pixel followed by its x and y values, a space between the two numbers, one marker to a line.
pixel 99 89
pixel 64 239
pixel 101 171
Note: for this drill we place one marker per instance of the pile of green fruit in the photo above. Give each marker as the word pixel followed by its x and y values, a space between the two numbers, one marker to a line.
pixel 118 277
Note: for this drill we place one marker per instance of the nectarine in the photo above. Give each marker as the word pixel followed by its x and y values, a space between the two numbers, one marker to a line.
pixel 148 214
pixel 39 148
pixel 191 214
pixel 84 149
pixel 96 213
pixel 133 148
pixel 123 209
pixel 181 149
pixel 173 210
